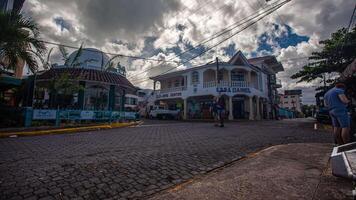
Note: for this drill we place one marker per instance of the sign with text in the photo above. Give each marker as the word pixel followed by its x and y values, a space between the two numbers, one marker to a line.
pixel 44 114
pixel 169 95
pixel 233 89
pixel 87 114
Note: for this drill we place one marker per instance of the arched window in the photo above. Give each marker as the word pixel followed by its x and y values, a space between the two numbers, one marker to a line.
pixel 195 77
pixel 237 76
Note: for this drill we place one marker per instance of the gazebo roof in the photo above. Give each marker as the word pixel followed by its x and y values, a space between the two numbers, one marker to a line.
pixel 82 74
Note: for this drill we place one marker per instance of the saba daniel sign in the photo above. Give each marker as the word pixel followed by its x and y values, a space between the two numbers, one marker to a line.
pixel 233 89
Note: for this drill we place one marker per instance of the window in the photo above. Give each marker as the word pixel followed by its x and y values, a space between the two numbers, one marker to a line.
pixel 96 97
pixel 176 83
pixel 169 84
pixel 195 77
pixel 237 76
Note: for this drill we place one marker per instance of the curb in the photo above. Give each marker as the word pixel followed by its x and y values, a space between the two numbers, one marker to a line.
pixel 67 130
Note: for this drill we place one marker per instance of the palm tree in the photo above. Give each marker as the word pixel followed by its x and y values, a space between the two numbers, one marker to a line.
pixel 19 41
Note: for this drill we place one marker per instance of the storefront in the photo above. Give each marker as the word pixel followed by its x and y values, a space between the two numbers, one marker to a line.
pixel 199 107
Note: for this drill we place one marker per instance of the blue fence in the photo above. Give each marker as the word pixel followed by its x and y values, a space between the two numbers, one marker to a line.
pixel 76 115
pixel 285 113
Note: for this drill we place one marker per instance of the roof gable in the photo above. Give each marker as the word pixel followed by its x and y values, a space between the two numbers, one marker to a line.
pixel 239 59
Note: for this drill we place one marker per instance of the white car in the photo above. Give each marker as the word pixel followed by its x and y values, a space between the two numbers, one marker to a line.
pixel 160 112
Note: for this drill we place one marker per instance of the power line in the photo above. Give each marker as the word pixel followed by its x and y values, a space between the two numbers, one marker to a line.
pixel 108 53
pixel 208 49
pixel 223 31
pixel 222 41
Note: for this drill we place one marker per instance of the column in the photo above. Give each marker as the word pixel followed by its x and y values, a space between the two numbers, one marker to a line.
pixel 185 109
pixel 251 108
pixel 231 117
pixel 123 100
pixel 81 95
pixel 258 114
pixel 229 78
pixel 111 97
pixel 262 110
pixel 154 85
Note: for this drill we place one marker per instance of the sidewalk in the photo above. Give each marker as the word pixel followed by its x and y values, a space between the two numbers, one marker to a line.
pixel 293 171
pixel 32 131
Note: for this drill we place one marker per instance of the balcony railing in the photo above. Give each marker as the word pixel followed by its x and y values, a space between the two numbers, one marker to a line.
pixel 209 84
pixel 225 84
pixel 239 84
pixel 173 89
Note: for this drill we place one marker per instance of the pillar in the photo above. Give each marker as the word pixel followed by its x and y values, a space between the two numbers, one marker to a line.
pixel 185 109
pixel 81 95
pixel 231 117
pixel 258 114
pixel 229 78
pixel 123 100
pixel 251 108
pixel 111 97
pixel 262 110
pixel 154 85
pixel 249 79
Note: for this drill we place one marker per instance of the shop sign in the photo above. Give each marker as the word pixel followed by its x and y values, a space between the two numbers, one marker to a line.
pixel 233 89
pixel 44 114
pixel 169 95
pixel 87 114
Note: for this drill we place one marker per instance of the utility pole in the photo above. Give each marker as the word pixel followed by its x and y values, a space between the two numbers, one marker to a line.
pixel 217 71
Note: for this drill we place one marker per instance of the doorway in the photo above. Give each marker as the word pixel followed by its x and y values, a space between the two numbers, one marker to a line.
pixel 238 107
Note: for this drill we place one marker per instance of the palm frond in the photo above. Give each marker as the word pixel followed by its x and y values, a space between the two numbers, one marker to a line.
pixel 75 62
pixel 110 63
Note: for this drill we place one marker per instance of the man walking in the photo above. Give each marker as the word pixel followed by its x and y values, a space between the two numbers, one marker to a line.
pixel 218 111
pixel 336 102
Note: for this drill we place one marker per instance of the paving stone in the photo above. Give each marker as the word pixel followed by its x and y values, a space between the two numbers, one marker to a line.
pixel 133 162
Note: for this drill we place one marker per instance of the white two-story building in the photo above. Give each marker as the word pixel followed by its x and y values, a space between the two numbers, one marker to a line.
pixel 249 87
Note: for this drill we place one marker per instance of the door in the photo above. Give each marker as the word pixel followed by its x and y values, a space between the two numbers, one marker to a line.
pixel 238 109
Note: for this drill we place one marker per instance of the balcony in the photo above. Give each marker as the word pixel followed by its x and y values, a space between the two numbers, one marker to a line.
pixel 210 84
pixel 239 84
pixel 173 89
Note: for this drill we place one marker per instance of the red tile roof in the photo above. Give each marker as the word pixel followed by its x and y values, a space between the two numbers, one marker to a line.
pixel 87 75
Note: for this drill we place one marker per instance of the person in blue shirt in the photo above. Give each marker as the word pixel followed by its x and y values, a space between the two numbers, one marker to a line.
pixel 336 102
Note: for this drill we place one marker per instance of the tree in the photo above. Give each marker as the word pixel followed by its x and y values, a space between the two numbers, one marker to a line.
pixel 337 53
pixel 19 41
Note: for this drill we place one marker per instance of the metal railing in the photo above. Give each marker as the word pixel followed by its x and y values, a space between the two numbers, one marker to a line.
pixel 76 115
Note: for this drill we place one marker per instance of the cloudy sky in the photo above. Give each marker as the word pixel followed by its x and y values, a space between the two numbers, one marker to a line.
pixel 162 29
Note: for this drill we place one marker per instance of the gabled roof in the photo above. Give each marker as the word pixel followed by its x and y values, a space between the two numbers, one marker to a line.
pixel 270 61
pixel 239 59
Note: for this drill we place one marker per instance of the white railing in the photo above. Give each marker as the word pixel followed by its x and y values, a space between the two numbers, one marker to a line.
pixel 224 84
pixel 239 84
pixel 173 89
pixel 209 84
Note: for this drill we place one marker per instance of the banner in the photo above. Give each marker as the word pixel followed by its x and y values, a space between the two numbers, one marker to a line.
pixel 44 114
pixel 87 115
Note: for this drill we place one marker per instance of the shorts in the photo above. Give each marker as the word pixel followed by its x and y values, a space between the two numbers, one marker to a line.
pixel 340 118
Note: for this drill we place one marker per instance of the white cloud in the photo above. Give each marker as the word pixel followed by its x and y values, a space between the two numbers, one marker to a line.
pixel 131 22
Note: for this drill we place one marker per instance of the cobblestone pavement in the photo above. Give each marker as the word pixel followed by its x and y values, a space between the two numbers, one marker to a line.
pixel 136 162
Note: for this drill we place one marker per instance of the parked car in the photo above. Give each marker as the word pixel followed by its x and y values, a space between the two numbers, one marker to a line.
pixel 160 112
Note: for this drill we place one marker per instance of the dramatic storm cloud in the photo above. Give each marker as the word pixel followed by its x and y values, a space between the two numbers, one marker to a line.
pixel 162 29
